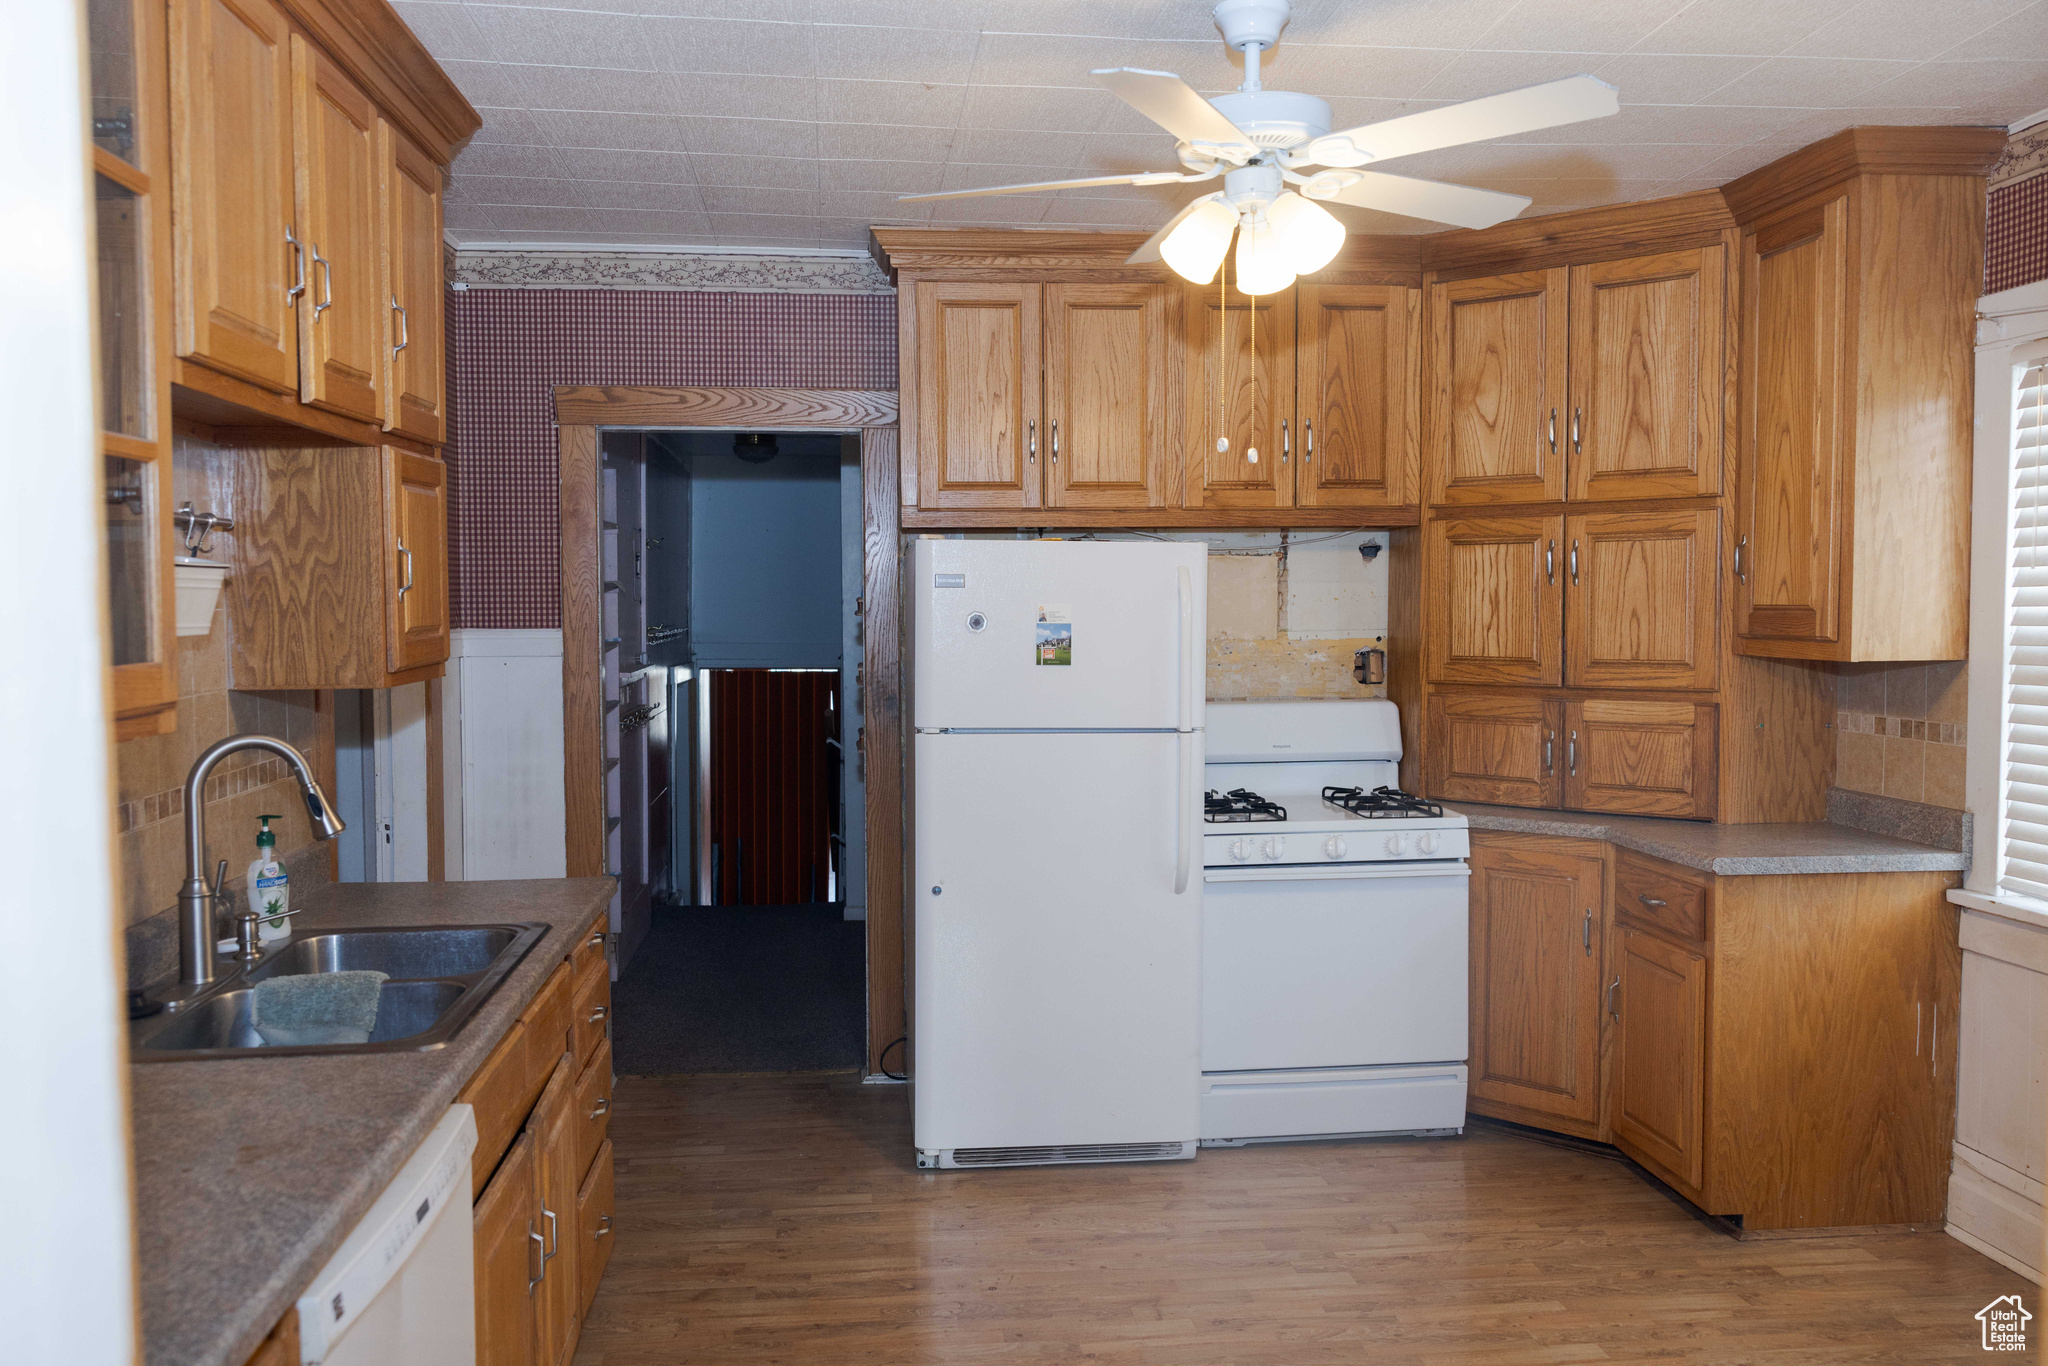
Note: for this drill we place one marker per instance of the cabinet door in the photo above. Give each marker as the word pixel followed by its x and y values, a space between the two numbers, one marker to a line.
pixel 1789 498
pixel 1240 385
pixel 509 1247
pixel 553 1127
pixel 1358 372
pixel 1649 375
pixel 412 285
pixel 978 372
pixel 1495 610
pixel 1642 758
pixel 416 565
pixel 1490 747
pixel 1659 994
pixel 237 271
pixel 1108 375
pixel 594 1210
pixel 1499 353
pixel 1536 935
pixel 1641 599
pixel 343 323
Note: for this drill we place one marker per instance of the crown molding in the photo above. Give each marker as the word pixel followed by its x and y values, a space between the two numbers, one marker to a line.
pixel 1859 152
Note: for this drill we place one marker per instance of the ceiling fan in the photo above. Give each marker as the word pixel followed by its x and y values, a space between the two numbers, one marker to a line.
pixel 1278 157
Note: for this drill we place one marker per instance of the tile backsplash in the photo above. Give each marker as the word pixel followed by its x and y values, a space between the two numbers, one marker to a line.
pixel 1899 730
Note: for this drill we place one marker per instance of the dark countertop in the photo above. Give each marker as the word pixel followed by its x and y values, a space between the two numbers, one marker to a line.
pixel 1727 850
pixel 250 1172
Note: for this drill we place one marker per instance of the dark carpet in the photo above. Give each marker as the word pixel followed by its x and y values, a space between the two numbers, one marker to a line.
pixel 742 989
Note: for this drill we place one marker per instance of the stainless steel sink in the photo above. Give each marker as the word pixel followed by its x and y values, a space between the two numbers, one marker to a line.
pixel 439 976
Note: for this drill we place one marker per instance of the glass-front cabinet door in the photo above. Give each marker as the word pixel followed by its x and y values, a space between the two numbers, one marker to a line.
pixel 131 175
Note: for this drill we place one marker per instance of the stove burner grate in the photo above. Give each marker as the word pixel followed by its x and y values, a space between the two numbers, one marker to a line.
pixel 1380 802
pixel 1238 804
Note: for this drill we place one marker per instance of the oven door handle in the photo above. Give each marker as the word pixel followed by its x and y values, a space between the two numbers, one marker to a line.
pixel 1356 872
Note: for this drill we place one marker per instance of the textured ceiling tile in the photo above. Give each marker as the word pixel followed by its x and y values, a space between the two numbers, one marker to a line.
pixel 1495 161
pixel 1663 78
pixel 564 37
pixel 2023 35
pixel 934 106
pixel 745 97
pixel 448 31
pixel 1042 59
pixel 972 175
pixel 518 125
pixel 1667 123
pixel 1081 153
pixel 1578 25
pixel 1807 82
pixel 1437 23
pixel 621 194
pixel 578 87
pixel 483 83
pixel 490 158
pixel 890 177
pixel 963 16
pixel 528 190
pixel 620 132
pixel 732 47
pixel 466 216
pixel 1035 108
pixel 868 53
pixel 650 220
pixel 767 173
pixel 870 204
pixel 1391 73
pixel 1827 122
pixel 761 225
pixel 1905 29
pixel 1014 210
pixel 751 137
pixel 1352 112
pixel 1758 28
pixel 1472 75
pixel 2020 86
pixel 753 200
pixel 657 168
pixel 1106 213
pixel 884 142
pixel 1203 63
pixel 1740 161
pixel 529 218
pixel 1128 19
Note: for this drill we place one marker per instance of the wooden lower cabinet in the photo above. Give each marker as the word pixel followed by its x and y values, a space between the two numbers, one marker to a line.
pixel 594 1204
pixel 1537 924
pixel 559 1313
pixel 508 1261
pixel 1768 1046
pixel 1490 747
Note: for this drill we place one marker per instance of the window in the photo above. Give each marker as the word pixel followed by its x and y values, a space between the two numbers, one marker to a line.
pixel 2023 762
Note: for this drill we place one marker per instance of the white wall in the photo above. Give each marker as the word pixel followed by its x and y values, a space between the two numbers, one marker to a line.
pixel 67 1266
pixel 501 748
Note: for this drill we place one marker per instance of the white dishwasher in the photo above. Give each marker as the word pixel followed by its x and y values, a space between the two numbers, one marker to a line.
pixel 401 1291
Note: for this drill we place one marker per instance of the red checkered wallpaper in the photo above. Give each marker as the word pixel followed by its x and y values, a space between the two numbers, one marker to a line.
pixel 2016 237
pixel 511 347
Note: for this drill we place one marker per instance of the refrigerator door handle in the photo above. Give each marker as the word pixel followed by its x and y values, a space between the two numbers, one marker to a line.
pixel 1183 846
pixel 1186 588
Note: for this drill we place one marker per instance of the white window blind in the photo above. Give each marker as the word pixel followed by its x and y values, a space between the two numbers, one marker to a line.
pixel 2023 865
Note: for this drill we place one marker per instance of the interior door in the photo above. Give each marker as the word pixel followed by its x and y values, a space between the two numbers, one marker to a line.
pixel 1789 498
pixel 1495 747
pixel 412 285
pixel 1660 996
pixel 416 560
pixel 1648 375
pixel 1499 355
pixel 1108 371
pixel 1535 965
pixel 342 326
pixel 1240 386
pixel 1641 595
pixel 238 271
pixel 979 369
pixel 1495 605
pixel 1358 368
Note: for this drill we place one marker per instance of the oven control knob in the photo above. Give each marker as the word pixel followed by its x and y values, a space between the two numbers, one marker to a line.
pixel 1240 849
pixel 1333 847
pixel 1427 844
pixel 1275 847
pixel 1394 844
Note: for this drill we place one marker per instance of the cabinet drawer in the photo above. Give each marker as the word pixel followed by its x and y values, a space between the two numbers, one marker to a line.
pixel 1641 758
pixel 1663 896
pixel 593 1107
pixel 592 1009
pixel 1494 748
pixel 591 946
pixel 594 1225
pixel 547 1026
pixel 501 1094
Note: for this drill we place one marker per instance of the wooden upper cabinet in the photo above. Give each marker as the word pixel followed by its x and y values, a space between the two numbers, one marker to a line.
pixel 1641 758
pixel 1649 361
pixel 413 348
pixel 1641 595
pixel 979 362
pixel 1498 361
pixel 1537 930
pixel 416 583
pixel 1109 424
pixel 1358 376
pixel 237 270
pixel 1660 1000
pixel 342 324
pixel 1495 605
pixel 1239 361
pixel 1495 747
pixel 1789 498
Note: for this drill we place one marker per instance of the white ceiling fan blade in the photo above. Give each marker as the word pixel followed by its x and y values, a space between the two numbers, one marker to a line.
pixel 1571 100
pixel 1172 103
pixel 1150 251
pixel 1460 205
pixel 1142 178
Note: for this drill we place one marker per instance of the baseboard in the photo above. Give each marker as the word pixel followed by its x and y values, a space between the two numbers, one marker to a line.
pixel 1988 1214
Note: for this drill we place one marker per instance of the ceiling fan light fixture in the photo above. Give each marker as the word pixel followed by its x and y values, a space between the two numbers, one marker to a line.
pixel 1308 235
pixel 1263 264
pixel 1194 249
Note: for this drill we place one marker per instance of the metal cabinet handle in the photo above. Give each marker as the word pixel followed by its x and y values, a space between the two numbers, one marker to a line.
pixel 604 1226
pixel 406 555
pixel 1031 442
pixel 1308 434
pixel 404 325
pixel 603 1107
pixel 1549 738
pixel 1285 447
pixel 554 1236
pixel 1550 561
pixel 598 1014
pixel 532 1281
pixel 1575 561
pixel 298 256
pixel 1586 934
pixel 1613 987
pixel 596 940
pixel 1577 448
pixel 1741 545
pixel 1553 429
pixel 1571 754
pixel 326 300
pixel 1649 900
pixel 1055 441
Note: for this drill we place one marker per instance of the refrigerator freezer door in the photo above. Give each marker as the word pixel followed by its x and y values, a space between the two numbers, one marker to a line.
pixel 1058 635
pixel 1056 970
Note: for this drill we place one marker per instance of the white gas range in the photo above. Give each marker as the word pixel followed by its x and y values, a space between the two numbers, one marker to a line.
pixel 1334 937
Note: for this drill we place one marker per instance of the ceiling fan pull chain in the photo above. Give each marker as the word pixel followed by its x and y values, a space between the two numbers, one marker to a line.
pixel 1251 304
pixel 1222 350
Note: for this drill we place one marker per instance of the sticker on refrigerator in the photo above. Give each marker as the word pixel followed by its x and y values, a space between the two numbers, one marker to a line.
pixel 1055 634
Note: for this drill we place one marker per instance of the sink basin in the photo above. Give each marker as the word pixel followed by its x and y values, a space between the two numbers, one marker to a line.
pixel 439 976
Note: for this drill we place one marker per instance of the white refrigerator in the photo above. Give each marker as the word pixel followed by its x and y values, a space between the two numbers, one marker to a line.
pixel 1056 891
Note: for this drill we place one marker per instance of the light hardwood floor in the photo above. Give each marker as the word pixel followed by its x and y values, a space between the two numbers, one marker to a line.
pixel 779 1219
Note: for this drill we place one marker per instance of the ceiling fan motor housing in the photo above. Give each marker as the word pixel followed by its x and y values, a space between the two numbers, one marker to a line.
pixel 1275 119
pixel 1248 22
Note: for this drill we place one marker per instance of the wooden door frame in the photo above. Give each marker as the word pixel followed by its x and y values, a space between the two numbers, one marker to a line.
pixel 580 412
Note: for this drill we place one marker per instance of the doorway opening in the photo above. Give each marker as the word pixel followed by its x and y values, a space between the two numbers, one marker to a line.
pixel 732 567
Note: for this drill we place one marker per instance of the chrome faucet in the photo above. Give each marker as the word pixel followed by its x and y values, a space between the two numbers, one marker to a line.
pixel 196 974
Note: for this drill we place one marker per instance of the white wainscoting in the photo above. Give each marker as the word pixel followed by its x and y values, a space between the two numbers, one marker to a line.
pixel 502 751
pixel 2001 1147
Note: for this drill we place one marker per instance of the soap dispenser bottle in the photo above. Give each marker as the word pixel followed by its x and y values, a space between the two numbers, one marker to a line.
pixel 270 893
